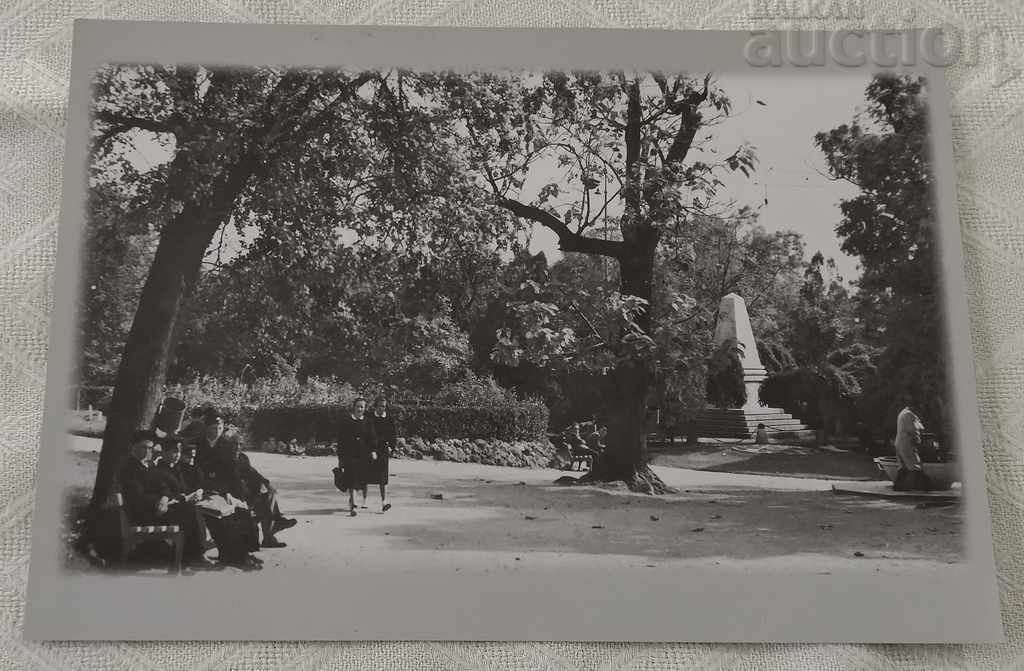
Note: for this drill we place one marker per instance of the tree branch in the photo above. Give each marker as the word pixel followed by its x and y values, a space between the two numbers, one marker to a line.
pixel 119 123
pixel 586 319
pixel 632 191
pixel 567 240
pixel 591 222
pixel 349 90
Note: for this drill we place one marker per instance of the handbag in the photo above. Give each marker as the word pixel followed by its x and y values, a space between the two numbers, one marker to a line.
pixel 339 479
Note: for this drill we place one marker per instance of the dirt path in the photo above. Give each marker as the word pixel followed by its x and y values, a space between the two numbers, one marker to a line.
pixel 505 519
pixel 801 461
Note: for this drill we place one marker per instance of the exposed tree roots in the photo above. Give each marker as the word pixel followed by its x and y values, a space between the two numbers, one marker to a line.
pixel 640 479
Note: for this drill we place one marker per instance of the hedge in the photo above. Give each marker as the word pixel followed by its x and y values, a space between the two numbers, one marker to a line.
pixel 319 423
pixel 519 454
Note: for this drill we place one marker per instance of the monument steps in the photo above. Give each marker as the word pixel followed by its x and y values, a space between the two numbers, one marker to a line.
pixel 792 425
pixel 747 431
pixel 733 325
pixel 743 422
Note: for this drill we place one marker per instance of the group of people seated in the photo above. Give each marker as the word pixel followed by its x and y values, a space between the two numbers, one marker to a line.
pixel 585 441
pixel 290 447
pixel 201 480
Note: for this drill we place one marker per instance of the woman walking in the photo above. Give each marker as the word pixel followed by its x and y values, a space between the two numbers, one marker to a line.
pixel 356 442
pixel 386 434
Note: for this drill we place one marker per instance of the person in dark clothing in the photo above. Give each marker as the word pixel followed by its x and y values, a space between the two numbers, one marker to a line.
pixel 148 500
pixel 386 434
pixel 235 475
pixel 196 426
pixel 209 445
pixel 189 470
pixel 573 436
pixel 168 476
pixel 357 442
pixel 141 498
pixel 235 535
pixel 241 524
pixel 580 453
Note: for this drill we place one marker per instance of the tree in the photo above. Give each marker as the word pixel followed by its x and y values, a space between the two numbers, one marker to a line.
pixel 118 251
pixel 737 255
pixel 413 167
pixel 295 156
pixel 725 388
pixel 891 226
pixel 229 134
pixel 622 141
pixel 821 370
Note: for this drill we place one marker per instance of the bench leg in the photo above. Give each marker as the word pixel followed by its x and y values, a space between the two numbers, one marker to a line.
pixel 127 545
pixel 179 546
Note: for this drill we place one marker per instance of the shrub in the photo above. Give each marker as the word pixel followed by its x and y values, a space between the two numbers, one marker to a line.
pixel 525 421
pixel 491 452
pixel 474 390
pixel 318 423
pixel 725 387
pixel 234 398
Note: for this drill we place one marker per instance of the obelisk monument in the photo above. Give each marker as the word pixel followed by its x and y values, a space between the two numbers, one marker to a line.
pixel 734 324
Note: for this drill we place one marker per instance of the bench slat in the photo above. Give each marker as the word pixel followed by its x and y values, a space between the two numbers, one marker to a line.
pixel 156 529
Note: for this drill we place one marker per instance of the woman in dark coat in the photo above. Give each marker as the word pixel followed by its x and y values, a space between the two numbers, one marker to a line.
pixel 356 443
pixel 387 435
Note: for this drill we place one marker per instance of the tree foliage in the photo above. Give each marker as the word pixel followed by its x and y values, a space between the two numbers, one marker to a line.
pixel 725 388
pixel 891 226
pixel 328 175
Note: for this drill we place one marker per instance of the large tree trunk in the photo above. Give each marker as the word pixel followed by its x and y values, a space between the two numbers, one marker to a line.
pixel 143 369
pixel 141 374
pixel 625 458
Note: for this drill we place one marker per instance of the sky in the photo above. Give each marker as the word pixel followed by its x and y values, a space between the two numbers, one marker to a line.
pixel 790 173
pixel 790 170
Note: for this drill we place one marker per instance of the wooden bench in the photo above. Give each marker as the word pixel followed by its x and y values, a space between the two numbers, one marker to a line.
pixel 581 455
pixel 133 535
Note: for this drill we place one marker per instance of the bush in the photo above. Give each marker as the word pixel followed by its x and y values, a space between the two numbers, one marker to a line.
pixel 519 454
pixel 235 398
pixel 476 391
pixel 525 421
pixel 318 423
pixel 725 387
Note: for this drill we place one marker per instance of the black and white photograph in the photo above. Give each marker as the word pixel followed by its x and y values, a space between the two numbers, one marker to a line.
pixel 465 325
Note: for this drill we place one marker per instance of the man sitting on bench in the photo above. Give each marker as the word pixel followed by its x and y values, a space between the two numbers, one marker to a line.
pixel 235 534
pixel 233 474
pixel 146 501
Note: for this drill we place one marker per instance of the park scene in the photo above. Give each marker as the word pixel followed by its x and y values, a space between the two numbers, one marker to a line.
pixel 490 320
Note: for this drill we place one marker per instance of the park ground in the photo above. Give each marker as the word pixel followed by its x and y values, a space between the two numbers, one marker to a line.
pixel 739 507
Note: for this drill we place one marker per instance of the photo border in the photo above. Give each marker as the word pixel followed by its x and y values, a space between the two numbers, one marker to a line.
pixel 955 603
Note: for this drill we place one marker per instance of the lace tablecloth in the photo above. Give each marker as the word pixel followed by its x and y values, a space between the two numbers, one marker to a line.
pixel 988 132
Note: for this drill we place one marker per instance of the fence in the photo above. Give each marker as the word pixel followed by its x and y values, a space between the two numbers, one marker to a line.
pixel 85 397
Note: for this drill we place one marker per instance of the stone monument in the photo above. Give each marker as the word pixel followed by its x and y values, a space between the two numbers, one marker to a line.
pixel 734 324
